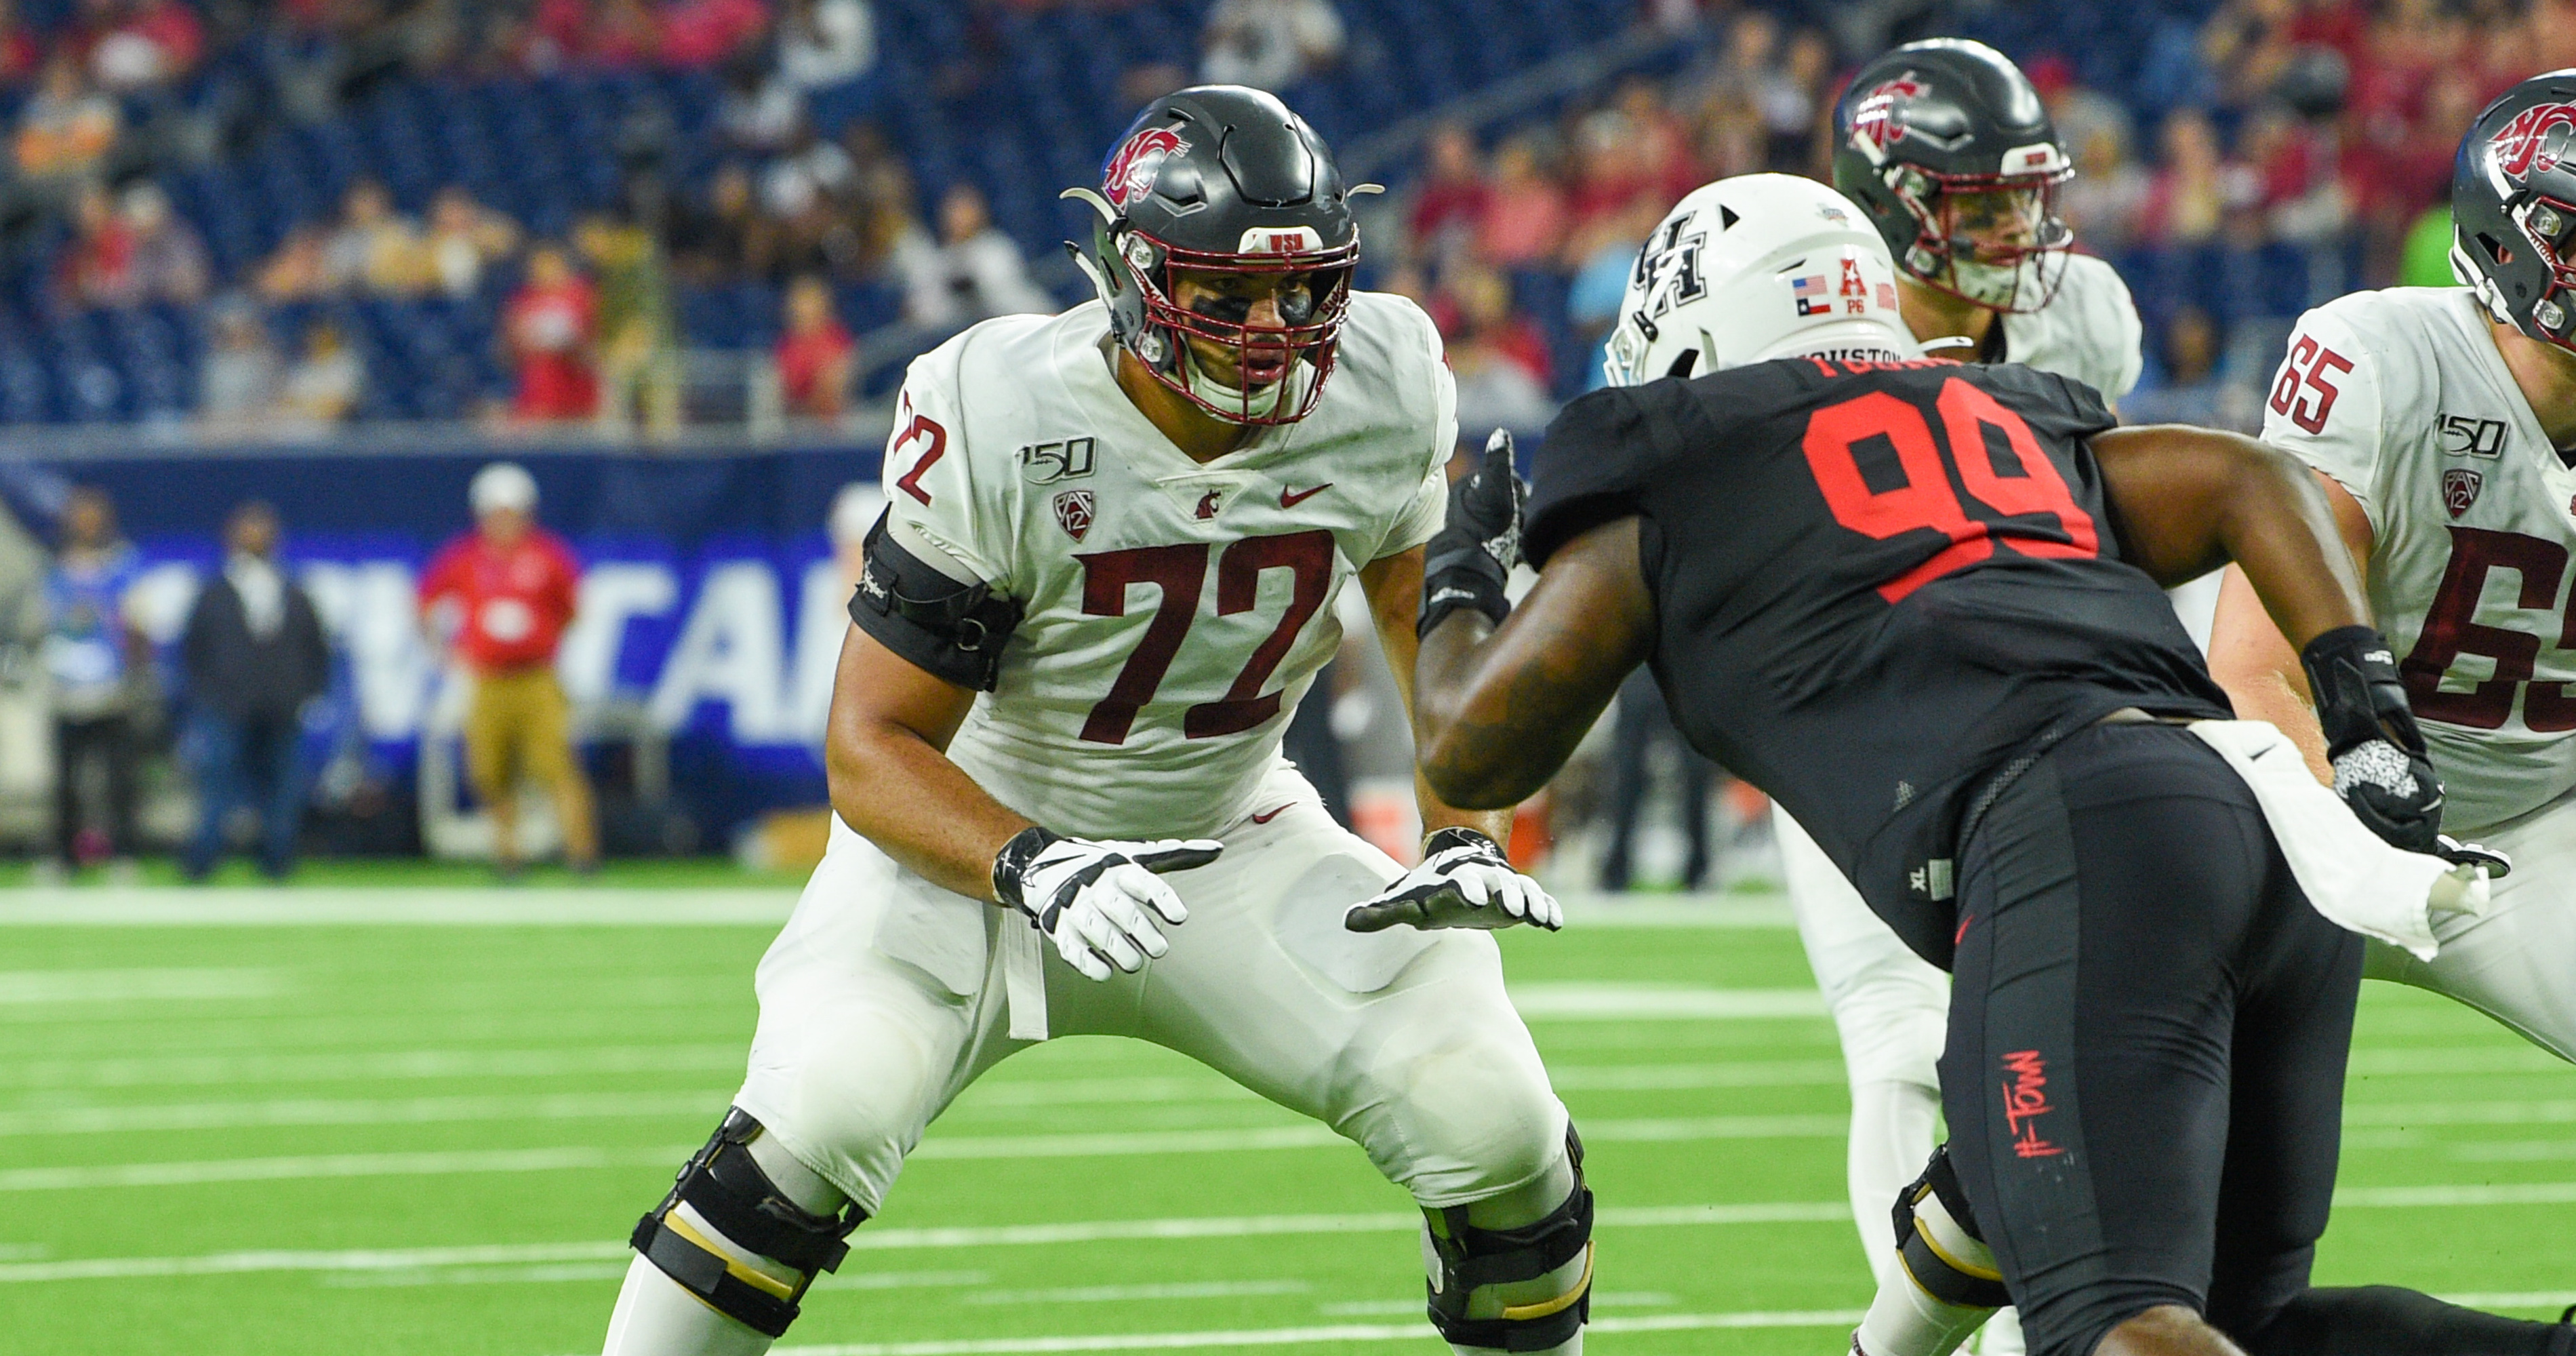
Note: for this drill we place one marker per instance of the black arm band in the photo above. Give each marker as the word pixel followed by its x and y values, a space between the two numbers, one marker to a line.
pixel 2359 694
pixel 955 632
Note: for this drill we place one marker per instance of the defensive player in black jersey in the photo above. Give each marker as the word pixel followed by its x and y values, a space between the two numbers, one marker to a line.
pixel 1920 604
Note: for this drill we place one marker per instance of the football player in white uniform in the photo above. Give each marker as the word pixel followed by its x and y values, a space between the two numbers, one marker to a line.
pixel 1104 578
pixel 2443 421
pixel 1947 148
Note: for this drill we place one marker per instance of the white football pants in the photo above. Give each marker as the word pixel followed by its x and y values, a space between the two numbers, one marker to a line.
pixel 886 996
pixel 2517 961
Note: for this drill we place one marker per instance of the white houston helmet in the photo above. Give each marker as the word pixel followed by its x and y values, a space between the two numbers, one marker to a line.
pixel 1752 268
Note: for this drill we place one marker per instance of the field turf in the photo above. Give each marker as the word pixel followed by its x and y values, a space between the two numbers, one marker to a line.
pixel 352 1119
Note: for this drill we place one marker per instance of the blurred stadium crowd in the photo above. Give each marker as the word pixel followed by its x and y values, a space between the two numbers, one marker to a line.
pixel 657 212
pixel 629 218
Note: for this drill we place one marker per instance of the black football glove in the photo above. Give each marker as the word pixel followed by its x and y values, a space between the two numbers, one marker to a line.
pixel 1466 563
pixel 2380 766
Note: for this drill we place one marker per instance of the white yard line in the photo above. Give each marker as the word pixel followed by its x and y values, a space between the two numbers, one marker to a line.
pixel 359 1111
pixel 179 1070
pixel 1312 1336
pixel 882 1240
pixel 150 907
pixel 1133 1230
pixel 25 988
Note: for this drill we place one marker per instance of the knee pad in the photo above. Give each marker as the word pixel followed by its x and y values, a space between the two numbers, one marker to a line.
pixel 725 1186
pixel 1938 1244
pixel 1523 1289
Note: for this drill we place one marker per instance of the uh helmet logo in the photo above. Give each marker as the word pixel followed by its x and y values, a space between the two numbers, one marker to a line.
pixel 1875 124
pixel 2536 139
pixel 1132 167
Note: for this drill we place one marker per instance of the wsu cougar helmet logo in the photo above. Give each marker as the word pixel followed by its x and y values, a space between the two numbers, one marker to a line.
pixel 2527 143
pixel 1132 167
pixel 1874 122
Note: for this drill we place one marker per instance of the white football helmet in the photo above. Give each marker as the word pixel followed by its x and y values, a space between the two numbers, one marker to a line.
pixel 1752 268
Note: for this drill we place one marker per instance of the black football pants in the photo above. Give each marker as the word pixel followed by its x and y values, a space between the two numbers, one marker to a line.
pixel 2144 1076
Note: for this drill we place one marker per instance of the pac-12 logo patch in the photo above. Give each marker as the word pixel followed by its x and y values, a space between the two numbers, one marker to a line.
pixel 1073 512
pixel 1132 167
pixel 2460 488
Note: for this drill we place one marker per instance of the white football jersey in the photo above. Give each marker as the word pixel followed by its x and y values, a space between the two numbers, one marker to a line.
pixel 2088 331
pixel 1175 612
pixel 2402 398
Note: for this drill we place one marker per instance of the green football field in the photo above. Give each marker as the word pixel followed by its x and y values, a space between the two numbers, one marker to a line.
pixel 352 1119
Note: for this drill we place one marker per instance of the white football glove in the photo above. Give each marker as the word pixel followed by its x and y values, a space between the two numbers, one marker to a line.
pixel 1464 881
pixel 1091 898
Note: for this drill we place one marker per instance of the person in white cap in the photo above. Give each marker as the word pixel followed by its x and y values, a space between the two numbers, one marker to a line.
pixel 504 593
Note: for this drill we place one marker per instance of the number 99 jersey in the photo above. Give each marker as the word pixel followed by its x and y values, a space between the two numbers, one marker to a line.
pixel 1874 584
pixel 1174 611
pixel 2402 398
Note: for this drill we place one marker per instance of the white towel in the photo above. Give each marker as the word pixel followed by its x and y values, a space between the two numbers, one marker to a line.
pixel 2350 874
pixel 1023 962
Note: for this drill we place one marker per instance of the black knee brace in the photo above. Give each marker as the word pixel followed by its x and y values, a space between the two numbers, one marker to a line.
pixel 1471 1259
pixel 725 1186
pixel 1951 1280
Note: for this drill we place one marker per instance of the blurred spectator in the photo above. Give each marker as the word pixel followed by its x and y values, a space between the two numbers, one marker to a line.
pixel 2191 392
pixel 2190 196
pixel 1452 196
pixel 1792 102
pixel 974 272
pixel 374 247
pixel 238 385
pixel 1642 723
pixel 722 236
pixel 98 267
pixel 504 593
pixel 95 658
pixel 1269 44
pixel 549 326
pixel 1606 256
pixel 806 179
pixel 1612 167
pixel 1522 223
pixel 826 44
pixel 323 385
pixel 814 354
pixel 1146 81
pixel 638 353
pixel 254 655
pixel 2102 203
pixel 22 53
pixel 147 43
pixel 67 128
pixel 170 262
pixel 697 34
pixel 465 240
pixel 1500 360
pixel 759 112
pixel 299 270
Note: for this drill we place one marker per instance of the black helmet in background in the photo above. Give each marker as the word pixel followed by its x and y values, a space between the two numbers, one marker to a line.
pixel 1948 148
pixel 2513 208
pixel 1224 179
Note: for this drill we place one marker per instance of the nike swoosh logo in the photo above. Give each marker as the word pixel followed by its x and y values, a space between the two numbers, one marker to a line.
pixel 1268 815
pixel 1289 498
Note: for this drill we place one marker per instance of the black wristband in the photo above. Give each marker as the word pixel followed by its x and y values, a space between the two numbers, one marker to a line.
pixel 1469 579
pixel 2359 694
pixel 1013 860
pixel 1457 835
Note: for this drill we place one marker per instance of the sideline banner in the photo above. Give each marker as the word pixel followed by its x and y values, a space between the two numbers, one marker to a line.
pixel 710 597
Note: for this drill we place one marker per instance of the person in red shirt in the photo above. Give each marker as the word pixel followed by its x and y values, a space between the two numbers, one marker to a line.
pixel 551 325
pixel 505 593
pixel 814 355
